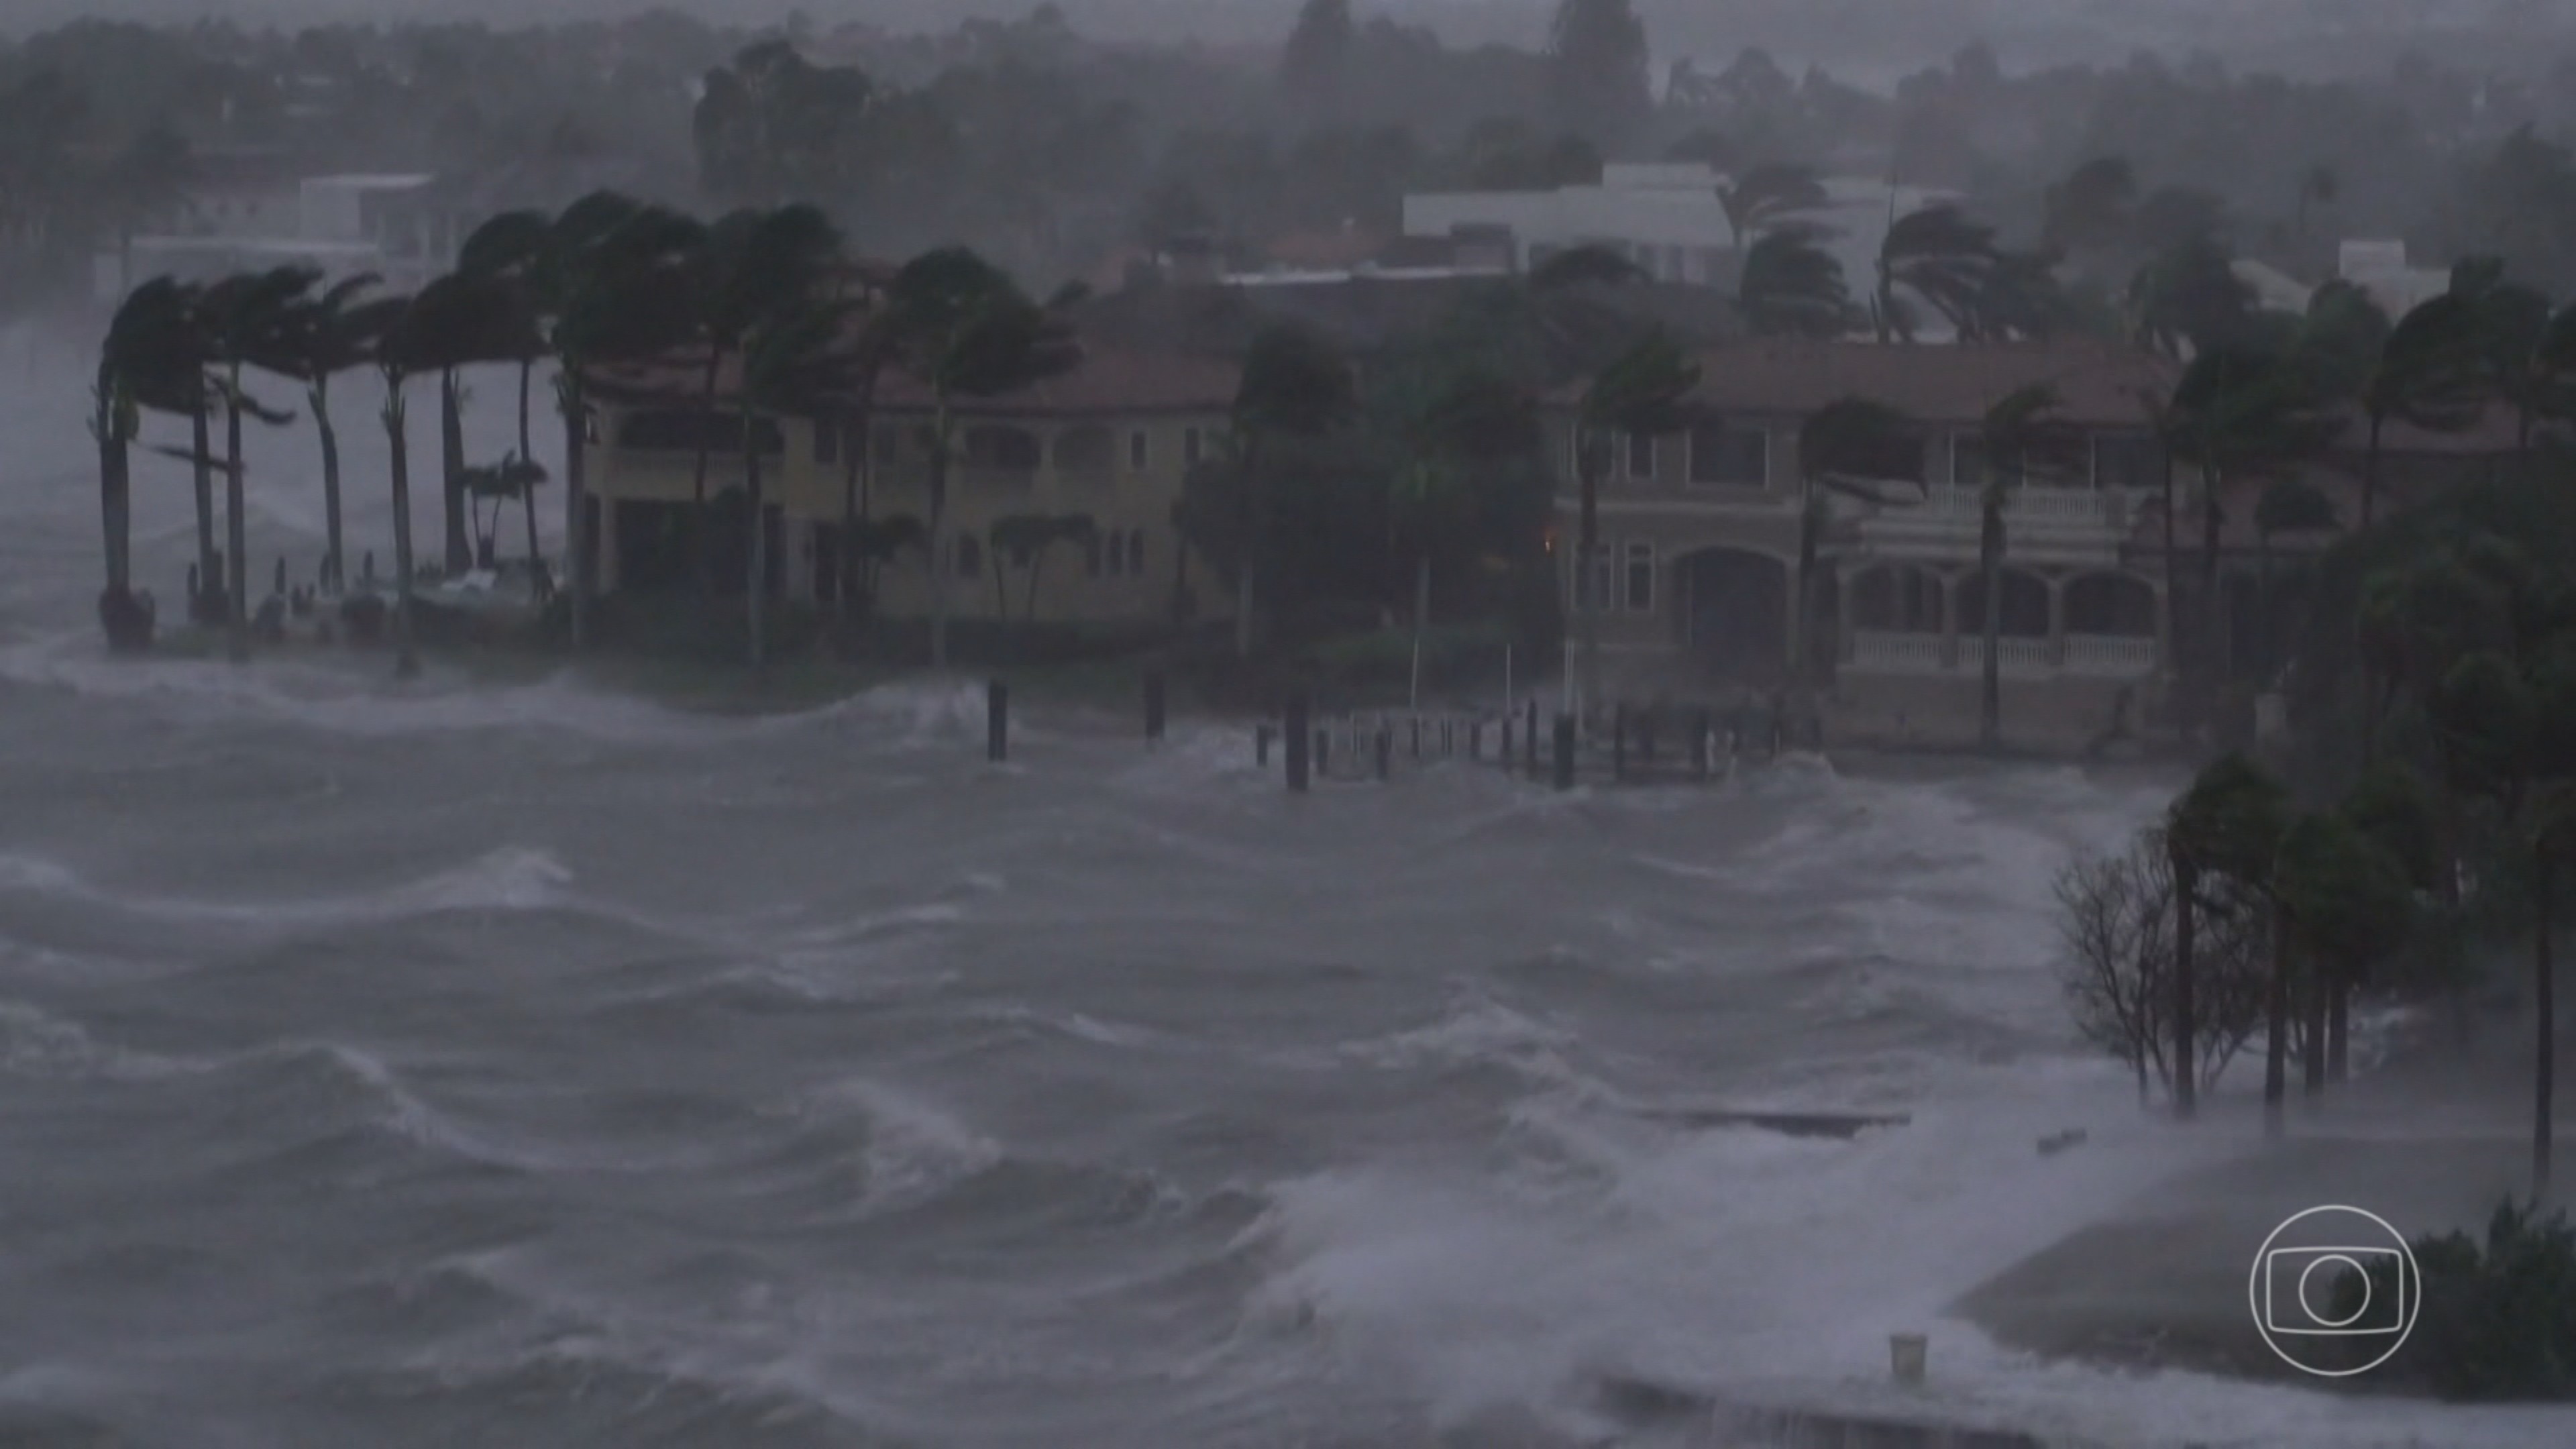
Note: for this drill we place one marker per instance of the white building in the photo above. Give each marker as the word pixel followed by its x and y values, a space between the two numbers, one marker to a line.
pixel 1666 217
pixel 397 228
pixel 2380 269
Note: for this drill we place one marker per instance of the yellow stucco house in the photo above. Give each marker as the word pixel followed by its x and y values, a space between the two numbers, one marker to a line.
pixel 1110 441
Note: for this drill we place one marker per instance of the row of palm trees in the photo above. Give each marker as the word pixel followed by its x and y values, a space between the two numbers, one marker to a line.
pixel 761 300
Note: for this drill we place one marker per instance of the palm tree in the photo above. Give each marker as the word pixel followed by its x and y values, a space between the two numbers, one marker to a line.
pixel 1767 195
pixel 1939 257
pixel 2236 410
pixel 2426 376
pixel 245 315
pixel 2526 353
pixel 2188 298
pixel 963 327
pixel 2318 186
pixel 1645 390
pixel 2287 506
pixel 753 264
pixel 1790 286
pixel 2022 426
pixel 1293 386
pixel 321 338
pixel 1469 422
pixel 1845 447
pixel 2227 826
pixel 794 358
pixel 148 359
pixel 2091 209
pixel 396 325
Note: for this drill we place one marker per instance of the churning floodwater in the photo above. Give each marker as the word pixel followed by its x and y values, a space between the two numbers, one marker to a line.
pixel 462 1064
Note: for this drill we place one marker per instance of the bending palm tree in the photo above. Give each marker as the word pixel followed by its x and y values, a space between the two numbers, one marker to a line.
pixel 2022 426
pixel 246 315
pixel 323 337
pixel 1767 195
pixel 149 353
pixel 1793 287
pixel 1939 257
pixel 795 360
pixel 396 325
pixel 2426 375
pixel 1293 386
pixel 963 327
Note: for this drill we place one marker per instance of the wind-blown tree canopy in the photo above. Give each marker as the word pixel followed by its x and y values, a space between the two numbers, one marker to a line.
pixel 1934 258
pixel 774 127
pixel 1793 287
pixel 1597 64
pixel 323 337
pixel 2188 298
pixel 1767 196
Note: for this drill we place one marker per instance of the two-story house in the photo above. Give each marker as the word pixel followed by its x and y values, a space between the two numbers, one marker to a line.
pixel 1698 531
pixel 1110 441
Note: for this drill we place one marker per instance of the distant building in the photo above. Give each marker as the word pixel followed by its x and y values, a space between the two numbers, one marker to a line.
pixel 1110 441
pixel 1665 217
pixel 1699 537
pixel 2380 268
pixel 404 229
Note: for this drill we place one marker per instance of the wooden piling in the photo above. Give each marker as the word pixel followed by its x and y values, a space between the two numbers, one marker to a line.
pixel 997 722
pixel 1385 752
pixel 1301 735
pixel 1564 752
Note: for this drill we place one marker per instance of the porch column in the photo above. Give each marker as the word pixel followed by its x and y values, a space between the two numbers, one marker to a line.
pixel 2057 620
pixel 1843 615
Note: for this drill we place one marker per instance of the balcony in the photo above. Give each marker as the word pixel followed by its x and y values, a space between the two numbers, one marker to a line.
pixel 2087 656
pixel 997 482
pixel 1086 482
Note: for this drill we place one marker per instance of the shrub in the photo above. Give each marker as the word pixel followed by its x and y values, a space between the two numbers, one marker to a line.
pixel 2495 1324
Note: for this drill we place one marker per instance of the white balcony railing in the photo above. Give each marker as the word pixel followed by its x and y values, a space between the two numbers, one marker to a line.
pixel 2075 507
pixel 2091 656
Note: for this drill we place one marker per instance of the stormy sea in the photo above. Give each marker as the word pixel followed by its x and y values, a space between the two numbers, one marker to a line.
pixel 462 1063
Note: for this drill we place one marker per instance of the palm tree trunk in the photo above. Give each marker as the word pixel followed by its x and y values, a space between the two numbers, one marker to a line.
pixel 2313 1063
pixel 320 398
pixel 2276 1020
pixel 701 575
pixel 2339 1030
pixel 528 486
pixel 2263 605
pixel 938 543
pixel 406 656
pixel 2173 569
pixel 1037 562
pixel 754 589
pixel 2213 612
pixel 1587 539
pixel 236 533
pixel 1001 594
pixel 115 492
pixel 2186 1085
pixel 210 561
pixel 451 452
pixel 1421 620
pixel 1251 550
pixel 1990 714
pixel 576 419
pixel 2544 1002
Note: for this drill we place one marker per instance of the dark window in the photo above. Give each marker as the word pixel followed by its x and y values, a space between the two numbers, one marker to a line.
pixel 2126 460
pixel 970 558
pixel 1136 450
pixel 1640 580
pixel 1738 457
pixel 1641 455
pixel 1136 552
pixel 1007 448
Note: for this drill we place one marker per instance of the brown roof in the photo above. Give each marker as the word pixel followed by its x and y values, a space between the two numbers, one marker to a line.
pixel 1109 379
pixel 2097 384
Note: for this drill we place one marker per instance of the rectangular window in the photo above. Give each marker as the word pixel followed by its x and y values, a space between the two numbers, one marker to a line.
pixel 1730 457
pixel 1136 454
pixel 827 440
pixel 1190 447
pixel 1969 465
pixel 1639 578
pixel 1641 456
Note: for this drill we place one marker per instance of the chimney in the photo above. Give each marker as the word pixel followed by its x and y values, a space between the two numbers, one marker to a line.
pixel 1481 246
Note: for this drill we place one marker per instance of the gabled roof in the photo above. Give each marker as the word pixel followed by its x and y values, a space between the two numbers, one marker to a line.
pixel 2098 385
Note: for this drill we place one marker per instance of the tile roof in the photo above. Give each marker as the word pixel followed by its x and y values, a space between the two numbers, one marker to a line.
pixel 2098 384
pixel 1109 379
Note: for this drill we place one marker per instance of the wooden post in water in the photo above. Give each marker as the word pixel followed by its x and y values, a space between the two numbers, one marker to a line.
pixel 997 721
pixel 1507 741
pixel 1301 735
pixel 1619 743
pixel 1564 752
pixel 1416 723
pixel 1154 707
pixel 1385 751
pixel 1261 744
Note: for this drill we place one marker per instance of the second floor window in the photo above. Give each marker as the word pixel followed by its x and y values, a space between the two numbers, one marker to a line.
pixel 1729 456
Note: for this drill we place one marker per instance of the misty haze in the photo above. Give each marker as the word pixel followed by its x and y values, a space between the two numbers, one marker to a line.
pixel 1273 723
